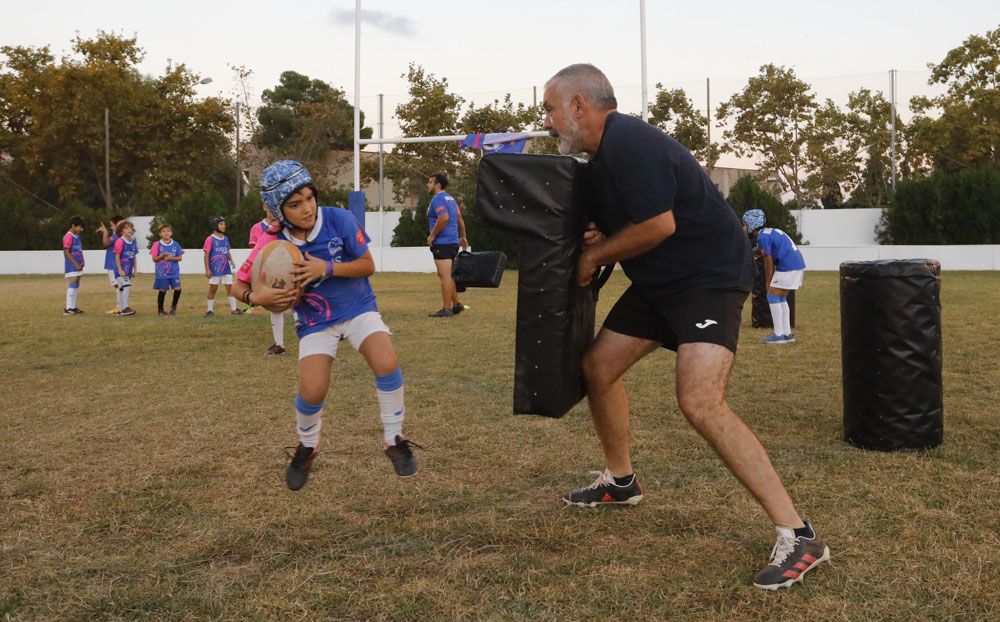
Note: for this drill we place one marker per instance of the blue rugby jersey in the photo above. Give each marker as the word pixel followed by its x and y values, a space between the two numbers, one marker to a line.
pixel 781 248
pixel 336 236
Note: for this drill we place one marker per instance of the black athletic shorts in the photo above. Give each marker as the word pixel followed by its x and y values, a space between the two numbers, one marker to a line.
pixel 444 251
pixel 705 316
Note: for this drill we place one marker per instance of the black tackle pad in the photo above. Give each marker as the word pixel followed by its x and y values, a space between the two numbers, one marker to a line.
pixel 542 198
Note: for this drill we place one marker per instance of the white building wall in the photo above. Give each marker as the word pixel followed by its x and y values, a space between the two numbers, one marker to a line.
pixel 837 227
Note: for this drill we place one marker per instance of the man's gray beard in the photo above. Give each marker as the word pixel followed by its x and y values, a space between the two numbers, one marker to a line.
pixel 566 146
pixel 568 143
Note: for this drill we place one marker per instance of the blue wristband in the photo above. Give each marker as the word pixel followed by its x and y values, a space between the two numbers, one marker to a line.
pixel 329 268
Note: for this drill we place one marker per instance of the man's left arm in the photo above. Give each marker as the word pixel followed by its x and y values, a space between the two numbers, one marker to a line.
pixel 462 240
pixel 632 240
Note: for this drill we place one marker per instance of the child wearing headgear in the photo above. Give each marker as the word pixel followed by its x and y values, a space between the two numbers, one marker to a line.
pixel 337 304
pixel 784 268
pixel 219 265
pixel 126 250
pixel 73 264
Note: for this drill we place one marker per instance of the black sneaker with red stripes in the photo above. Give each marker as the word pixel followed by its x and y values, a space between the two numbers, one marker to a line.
pixel 604 491
pixel 794 554
pixel 298 469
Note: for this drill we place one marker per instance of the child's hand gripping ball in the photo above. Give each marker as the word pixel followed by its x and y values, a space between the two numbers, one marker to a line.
pixel 273 270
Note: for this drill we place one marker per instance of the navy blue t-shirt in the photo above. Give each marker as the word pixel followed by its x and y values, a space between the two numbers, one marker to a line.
pixel 638 173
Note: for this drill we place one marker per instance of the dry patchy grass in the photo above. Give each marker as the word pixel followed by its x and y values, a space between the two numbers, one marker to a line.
pixel 141 471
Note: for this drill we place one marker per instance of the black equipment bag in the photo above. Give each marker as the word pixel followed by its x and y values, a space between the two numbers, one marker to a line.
pixel 543 199
pixel 890 330
pixel 479 269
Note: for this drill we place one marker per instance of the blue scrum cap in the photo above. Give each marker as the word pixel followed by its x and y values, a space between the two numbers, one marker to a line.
pixel 754 219
pixel 280 181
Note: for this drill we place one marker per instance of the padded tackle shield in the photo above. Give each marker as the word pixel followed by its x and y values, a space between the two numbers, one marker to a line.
pixel 542 198
pixel 760 311
pixel 890 325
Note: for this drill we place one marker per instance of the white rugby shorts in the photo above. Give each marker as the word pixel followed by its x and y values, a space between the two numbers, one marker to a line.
pixel 112 279
pixel 787 280
pixel 225 279
pixel 354 330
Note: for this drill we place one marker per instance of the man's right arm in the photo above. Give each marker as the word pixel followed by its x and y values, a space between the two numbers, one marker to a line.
pixel 632 240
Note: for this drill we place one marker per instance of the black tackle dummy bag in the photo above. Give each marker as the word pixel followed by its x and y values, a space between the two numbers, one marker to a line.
pixel 890 325
pixel 760 312
pixel 478 269
pixel 542 199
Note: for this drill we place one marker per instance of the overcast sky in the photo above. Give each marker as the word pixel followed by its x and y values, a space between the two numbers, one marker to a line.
pixel 488 47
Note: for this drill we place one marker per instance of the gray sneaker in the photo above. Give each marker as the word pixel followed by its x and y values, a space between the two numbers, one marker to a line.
pixel 442 313
pixel 791 558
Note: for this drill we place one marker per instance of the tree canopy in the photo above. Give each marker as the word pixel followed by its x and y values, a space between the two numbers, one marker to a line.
pixel 163 140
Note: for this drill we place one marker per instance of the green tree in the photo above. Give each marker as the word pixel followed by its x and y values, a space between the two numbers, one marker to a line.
pixel 960 207
pixel 747 194
pixel 673 112
pixel 867 134
pixel 433 110
pixel 306 117
pixel 162 140
pixel 960 128
pixel 770 119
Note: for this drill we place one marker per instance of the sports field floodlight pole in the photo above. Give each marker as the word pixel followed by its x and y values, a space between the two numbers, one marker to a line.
pixel 642 47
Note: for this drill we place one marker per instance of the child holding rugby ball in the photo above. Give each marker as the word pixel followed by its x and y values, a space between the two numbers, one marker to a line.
pixel 337 304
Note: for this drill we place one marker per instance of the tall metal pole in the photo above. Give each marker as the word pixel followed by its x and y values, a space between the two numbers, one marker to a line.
pixel 534 101
pixel 708 111
pixel 357 95
pixel 107 159
pixel 381 173
pixel 239 173
pixel 642 36
pixel 892 88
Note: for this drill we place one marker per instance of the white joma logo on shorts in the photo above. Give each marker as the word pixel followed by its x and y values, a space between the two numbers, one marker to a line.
pixel 705 324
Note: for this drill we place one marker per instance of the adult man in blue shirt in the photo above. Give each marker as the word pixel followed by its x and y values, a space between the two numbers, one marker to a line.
pixel 447 233
pixel 656 212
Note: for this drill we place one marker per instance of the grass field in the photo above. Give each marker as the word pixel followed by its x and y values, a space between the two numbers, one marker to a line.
pixel 141 475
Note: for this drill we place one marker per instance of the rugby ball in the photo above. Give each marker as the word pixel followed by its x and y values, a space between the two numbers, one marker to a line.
pixel 273 267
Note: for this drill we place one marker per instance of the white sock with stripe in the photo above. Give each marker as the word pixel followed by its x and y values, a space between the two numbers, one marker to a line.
pixel 390 400
pixel 308 420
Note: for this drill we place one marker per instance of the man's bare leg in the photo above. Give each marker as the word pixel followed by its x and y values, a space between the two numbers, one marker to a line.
pixel 702 376
pixel 604 364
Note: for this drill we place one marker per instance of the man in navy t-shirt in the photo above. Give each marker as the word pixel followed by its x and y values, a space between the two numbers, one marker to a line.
pixel 656 212
pixel 447 233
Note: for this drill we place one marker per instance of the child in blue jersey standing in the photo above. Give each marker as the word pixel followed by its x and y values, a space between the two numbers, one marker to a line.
pixel 337 304
pixel 126 250
pixel 73 264
pixel 167 254
pixel 108 239
pixel 219 265
pixel 784 268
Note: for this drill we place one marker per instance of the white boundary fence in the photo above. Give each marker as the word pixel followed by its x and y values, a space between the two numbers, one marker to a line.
pixel 418 259
pixel 833 236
